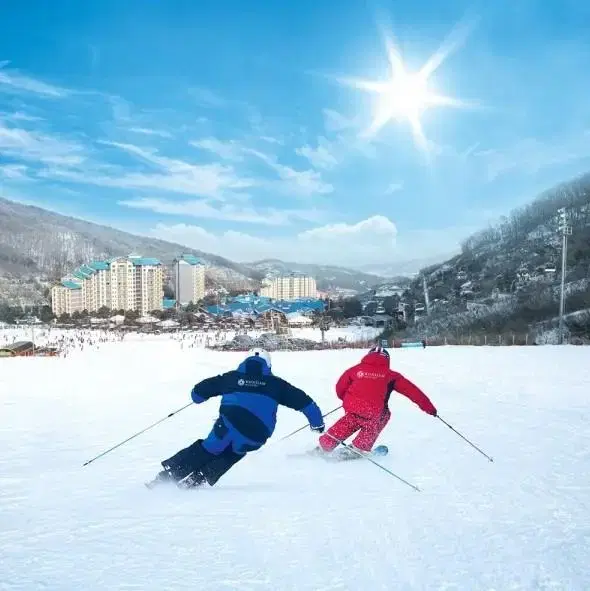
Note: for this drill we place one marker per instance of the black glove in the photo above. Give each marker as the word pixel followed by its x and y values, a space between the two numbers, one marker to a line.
pixel 319 429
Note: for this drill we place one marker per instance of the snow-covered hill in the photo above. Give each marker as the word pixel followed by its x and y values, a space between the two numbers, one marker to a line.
pixel 328 277
pixel 290 524
pixel 38 246
pixel 515 265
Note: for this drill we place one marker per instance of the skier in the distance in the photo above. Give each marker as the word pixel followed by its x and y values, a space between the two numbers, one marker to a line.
pixel 365 390
pixel 250 397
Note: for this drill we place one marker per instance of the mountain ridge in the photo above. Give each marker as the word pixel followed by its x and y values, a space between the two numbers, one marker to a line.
pixel 38 246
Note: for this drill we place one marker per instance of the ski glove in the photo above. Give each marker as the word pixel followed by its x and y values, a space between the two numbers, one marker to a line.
pixel 320 429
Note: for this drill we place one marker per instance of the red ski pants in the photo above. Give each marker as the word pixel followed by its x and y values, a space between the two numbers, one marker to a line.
pixel 349 424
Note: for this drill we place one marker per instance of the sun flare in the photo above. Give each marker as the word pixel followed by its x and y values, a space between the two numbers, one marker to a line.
pixel 405 95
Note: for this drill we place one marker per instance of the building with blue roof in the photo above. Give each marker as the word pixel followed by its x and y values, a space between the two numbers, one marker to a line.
pixel 70 284
pixel 256 306
pixel 99 266
pixel 168 304
pixel 139 261
pixel 119 283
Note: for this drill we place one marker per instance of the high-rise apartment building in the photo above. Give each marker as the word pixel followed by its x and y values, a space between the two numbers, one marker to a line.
pixel 189 279
pixel 148 284
pixel 122 295
pixel 66 298
pixel 289 287
pixel 123 283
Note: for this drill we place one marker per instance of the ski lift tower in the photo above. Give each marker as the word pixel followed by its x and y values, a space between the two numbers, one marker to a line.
pixel 426 295
pixel 566 230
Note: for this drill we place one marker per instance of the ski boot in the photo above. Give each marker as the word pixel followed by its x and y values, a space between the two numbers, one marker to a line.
pixel 193 480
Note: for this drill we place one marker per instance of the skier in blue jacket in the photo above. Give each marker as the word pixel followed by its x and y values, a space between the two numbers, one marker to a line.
pixel 250 397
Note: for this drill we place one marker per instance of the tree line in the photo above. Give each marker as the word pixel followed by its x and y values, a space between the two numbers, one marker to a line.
pixel 543 211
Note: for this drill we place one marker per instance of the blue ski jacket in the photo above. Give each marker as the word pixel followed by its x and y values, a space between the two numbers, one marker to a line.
pixel 250 397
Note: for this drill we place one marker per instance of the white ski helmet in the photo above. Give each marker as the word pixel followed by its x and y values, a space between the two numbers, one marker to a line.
pixel 259 352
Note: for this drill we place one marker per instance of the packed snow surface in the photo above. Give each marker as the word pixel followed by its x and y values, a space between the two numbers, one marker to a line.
pixel 291 523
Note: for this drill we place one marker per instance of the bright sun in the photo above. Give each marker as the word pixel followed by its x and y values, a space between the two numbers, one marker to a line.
pixel 405 96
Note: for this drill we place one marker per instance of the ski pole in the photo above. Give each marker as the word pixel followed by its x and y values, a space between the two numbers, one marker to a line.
pixel 465 439
pixel 104 453
pixel 362 455
pixel 301 428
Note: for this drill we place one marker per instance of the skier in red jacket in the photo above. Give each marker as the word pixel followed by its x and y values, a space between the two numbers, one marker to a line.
pixel 365 390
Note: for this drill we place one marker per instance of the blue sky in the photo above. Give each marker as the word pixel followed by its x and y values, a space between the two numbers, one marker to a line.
pixel 224 125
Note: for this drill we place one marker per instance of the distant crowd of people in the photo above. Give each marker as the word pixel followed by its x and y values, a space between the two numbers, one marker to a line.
pixel 68 341
pixel 75 340
pixel 64 341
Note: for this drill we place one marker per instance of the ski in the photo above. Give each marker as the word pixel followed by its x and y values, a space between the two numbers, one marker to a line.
pixel 341 454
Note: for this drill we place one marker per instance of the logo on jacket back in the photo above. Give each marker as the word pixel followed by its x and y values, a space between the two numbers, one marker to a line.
pixel 370 375
pixel 251 383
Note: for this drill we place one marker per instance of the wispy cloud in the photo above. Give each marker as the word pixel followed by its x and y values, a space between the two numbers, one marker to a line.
pixel 121 109
pixel 13 171
pixel 340 142
pixel 205 180
pixel 271 140
pixel 13 81
pixel 321 156
pixel 216 211
pixel 291 181
pixel 394 188
pixel 302 183
pixel 37 147
pixel 205 97
pixel 19 116
pixel 212 181
pixel 335 121
pixel 530 155
pixel 227 150
pixel 151 132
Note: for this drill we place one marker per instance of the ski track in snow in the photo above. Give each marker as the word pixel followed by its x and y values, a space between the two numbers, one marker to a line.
pixel 272 523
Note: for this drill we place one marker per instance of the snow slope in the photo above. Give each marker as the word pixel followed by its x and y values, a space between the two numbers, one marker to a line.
pixel 278 523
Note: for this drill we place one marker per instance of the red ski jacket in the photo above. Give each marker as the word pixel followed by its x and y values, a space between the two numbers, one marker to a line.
pixel 365 388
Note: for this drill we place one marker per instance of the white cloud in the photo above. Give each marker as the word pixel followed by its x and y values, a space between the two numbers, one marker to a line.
pixel 229 150
pixel 320 157
pixel 13 171
pixel 343 140
pixel 530 155
pixel 151 132
pixel 376 229
pixel 12 81
pixel 394 188
pixel 207 210
pixel 19 116
pixel 305 183
pixel 208 98
pixel 335 122
pixel 214 181
pixel 271 140
pixel 371 240
pixel 301 183
pixel 36 147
